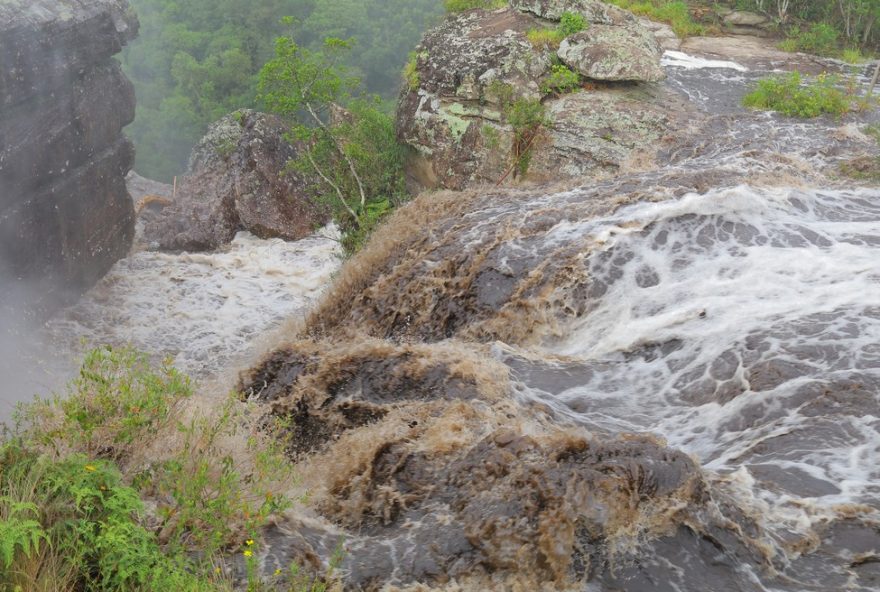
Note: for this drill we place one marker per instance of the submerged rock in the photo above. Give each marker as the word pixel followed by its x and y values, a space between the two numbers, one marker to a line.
pixel 238 179
pixel 430 472
pixel 473 67
pixel 65 214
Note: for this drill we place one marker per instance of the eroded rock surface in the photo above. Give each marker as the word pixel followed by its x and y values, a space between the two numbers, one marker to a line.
pixel 473 66
pixel 65 214
pixel 239 180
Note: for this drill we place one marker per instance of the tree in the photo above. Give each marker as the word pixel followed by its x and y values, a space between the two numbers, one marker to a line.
pixel 345 140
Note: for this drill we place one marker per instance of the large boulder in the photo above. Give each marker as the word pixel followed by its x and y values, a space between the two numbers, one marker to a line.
pixel 239 179
pixel 594 11
pixel 605 52
pixel 475 65
pixel 65 214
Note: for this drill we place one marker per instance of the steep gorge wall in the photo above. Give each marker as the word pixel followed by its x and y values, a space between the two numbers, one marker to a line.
pixel 65 213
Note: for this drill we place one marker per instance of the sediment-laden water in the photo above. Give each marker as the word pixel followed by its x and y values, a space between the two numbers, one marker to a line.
pixel 667 381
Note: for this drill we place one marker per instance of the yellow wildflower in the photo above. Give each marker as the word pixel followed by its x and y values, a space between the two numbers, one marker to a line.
pixel 91 468
pixel 248 553
pixel 249 542
pixel 277 572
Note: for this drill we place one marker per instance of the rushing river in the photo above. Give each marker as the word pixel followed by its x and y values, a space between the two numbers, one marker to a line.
pixel 740 324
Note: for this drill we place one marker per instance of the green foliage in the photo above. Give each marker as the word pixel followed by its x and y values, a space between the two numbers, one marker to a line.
pixel 852 55
pixel 548 38
pixel 83 521
pixel 462 5
pixel 74 522
pixel 561 80
pixel 195 61
pixel 571 23
pixel 352 152
pixel 790 96
pixel 411 75
pixel 116 401
pixel 675 13
pixel 527 118
pixel 820 39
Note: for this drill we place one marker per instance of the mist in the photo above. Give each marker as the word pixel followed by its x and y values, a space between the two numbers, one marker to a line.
pixel 190 68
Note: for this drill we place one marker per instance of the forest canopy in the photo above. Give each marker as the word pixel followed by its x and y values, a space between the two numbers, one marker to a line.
pixel 197 60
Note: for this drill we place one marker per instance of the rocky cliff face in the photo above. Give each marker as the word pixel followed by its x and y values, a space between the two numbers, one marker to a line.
pixel 455 112
pixel 65 214
pixel 238 180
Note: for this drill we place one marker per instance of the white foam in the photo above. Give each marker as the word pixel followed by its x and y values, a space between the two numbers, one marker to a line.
pixel 202 309
pixel 679 59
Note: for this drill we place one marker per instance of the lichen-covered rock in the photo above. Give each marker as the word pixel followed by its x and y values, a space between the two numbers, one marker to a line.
pixel 66 215
pixel 594 11
pixel 239 180
pixel 476 64
pixel 604 52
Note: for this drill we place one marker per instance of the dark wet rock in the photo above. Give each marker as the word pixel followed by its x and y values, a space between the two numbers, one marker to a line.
pixel 475 63
pixel 238 180
pixel 65 215
pixel 442 478
pixel 605 52
pixel 512 268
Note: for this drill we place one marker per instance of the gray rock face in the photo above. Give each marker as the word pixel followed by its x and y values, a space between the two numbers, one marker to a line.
pixel 473 65
pixel 604 52
pixel 594 11
pixel 744 18
pixel 65 214
pixel 238 181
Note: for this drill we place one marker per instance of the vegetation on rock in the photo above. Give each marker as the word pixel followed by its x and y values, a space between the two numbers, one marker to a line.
pixel 108 489
pixel 790 96
pixel 353 150
pixel 675 13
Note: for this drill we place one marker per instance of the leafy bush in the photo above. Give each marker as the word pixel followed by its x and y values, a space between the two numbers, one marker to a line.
pixel 71 519
pixel 789 96
pixel 116 402
pixel 462 5
pixel 571 23
pixel 352 151
pixel 820 39
pixel 561 80
pixel 72 524
pixel 852 56
pixel 527 118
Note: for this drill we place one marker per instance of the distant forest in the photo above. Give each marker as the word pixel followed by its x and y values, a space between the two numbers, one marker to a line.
pixel 197 60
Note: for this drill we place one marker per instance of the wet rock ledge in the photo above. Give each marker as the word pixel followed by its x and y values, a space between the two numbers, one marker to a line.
pixel 65 214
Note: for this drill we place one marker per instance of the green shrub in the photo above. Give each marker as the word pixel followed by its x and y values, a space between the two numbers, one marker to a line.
pixel 117 401
pixel 73 520
pixel 571 23
pixel 411 72
pixel 549 38
pixel 852 55
pixel 561 80
pixel 72 524
pixel 789 96
pixel 527 118
pixel 820 39
pixel 462 5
